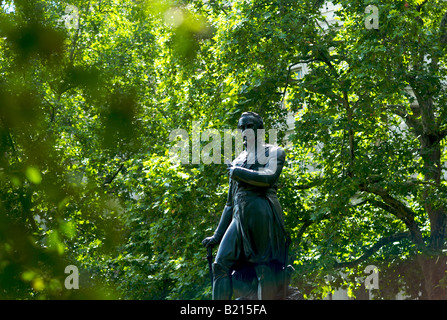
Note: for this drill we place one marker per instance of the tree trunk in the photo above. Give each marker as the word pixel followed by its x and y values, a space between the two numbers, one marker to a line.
pixel 433 261
pixel 434 270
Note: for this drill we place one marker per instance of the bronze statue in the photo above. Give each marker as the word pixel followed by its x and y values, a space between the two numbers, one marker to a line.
pixel 252 255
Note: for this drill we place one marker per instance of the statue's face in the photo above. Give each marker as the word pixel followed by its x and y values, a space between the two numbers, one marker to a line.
pixel 248 126
pixel 246 122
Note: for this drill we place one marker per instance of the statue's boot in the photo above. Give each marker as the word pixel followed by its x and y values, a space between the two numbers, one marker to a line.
pixel 266 282
pixel 222 286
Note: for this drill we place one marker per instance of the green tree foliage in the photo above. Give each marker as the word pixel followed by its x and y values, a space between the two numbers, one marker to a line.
pixel 371 115
pixel 86 113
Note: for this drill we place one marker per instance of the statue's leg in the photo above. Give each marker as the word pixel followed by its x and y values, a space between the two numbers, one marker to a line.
pixel 222 286
pixel 227 255
pixel 266 282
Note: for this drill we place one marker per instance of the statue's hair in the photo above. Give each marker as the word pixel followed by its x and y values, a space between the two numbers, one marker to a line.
pixel 257 117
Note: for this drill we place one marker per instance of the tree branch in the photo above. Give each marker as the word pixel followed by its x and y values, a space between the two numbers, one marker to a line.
pixel 289 70
pixel 426 183
pixel 398 209
pixel 443 30
pixel 108 181
pixel 309 185
pixel 409 120
pixel 75 40
pixel 419 6
pixel 53 109
pixel 303 228
pixel 368 252
pixel 349 118
pixel 443 134
pixel 381 205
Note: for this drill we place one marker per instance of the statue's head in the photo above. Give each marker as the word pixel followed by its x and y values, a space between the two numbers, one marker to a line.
pixel 248 124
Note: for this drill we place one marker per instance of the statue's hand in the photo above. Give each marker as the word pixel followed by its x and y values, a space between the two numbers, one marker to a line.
pixel 209 242
pixel 230 169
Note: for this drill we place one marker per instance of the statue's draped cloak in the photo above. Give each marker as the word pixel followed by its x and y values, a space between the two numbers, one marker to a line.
pixel 256 233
